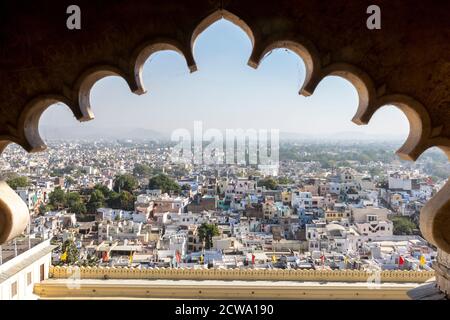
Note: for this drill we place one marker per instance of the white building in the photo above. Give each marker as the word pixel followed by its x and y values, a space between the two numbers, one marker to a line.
pixel 19 274
pixel 302 200
pixel 398 181
pixel 372 221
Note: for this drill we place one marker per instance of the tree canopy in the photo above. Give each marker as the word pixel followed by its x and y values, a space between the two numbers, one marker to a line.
pixel 123 200
pixel 163 182
pixel 125 182
pixel 71 253
pixel 285 180
pixel 142 170
pixel 206 232
pixel 96 201
pixel 18 182
pixel 57 198
pixel 72 201
pixel 270 183
pixel 403 225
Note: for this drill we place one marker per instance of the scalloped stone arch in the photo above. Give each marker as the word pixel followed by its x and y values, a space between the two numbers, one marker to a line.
pixel 148 48
pixel 216 16
pixel 319 38
pixel 304 49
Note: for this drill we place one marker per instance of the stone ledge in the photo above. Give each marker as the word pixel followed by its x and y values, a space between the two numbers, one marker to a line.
pixel 216 289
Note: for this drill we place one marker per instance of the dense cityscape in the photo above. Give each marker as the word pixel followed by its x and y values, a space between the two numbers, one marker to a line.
pixel 328 205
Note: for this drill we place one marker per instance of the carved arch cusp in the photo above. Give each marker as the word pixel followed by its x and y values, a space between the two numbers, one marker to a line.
pixel 145 50
pixel 306 52
pixel 14 213
pixel 435 219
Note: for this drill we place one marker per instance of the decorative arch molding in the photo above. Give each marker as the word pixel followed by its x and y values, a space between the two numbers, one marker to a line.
pixel 321 41
pixel 434 216
pixel 148 48
pixel 216 16
pixel 304 49
pixel 14 213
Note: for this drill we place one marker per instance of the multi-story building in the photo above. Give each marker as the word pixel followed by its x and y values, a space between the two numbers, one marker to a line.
pixel 302 200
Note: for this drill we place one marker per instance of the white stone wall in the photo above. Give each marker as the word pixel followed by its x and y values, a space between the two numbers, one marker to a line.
pixel 24 290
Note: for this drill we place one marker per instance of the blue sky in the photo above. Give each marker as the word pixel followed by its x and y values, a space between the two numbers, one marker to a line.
pixel 226 93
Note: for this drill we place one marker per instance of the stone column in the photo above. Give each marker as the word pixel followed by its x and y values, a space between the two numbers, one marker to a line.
pixel 14 213
pixel 442 268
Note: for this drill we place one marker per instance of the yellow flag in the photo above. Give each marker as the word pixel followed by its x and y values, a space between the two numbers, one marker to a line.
pixel 131 257
pixel 64 256
pixel 274 259
pixel 201 259
pixel 422 260
pixel 345 259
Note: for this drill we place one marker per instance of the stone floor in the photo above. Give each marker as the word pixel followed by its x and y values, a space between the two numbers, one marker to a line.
pixel 427 291
pixel 216 289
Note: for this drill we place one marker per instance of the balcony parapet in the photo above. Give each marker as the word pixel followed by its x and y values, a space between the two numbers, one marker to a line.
pixel 392 276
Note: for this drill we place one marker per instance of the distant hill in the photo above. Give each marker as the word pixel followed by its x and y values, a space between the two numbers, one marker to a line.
pixel 339 136
pixel 84 132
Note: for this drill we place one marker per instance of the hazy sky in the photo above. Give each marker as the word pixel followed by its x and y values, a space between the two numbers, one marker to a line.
pixel 226 93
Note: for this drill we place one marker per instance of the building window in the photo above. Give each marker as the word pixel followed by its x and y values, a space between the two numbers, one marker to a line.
pixel 42 272
pixel 29 278
pixel 14 289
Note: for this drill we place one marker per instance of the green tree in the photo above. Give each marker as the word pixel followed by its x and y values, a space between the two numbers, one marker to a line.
pixel 57 198
pixel 269 183
pixel 113 201
pixel 206 232
pixel 18 182
pixel 403 225
pixel 74 203
pixel 71 198
pixel 186 187
pixel 59 172
pixel 73 253
pixel 142 170
pixel 78 208
pixel 123 200
pixel 126 201
pixel 43 209
pixel 70 181
pixel 96 201
pixel 125 182
pixel 103 189
pixel 285 180
pixel 163 182
pixel 92 260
